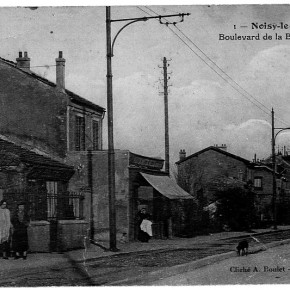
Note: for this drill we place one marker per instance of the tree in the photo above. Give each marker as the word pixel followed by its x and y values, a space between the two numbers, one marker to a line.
pixel 235 208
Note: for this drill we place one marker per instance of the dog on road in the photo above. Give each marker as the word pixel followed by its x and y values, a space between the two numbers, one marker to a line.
pixel 242 248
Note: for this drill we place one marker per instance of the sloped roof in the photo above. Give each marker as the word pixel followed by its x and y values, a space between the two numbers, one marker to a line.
pixel 282 162
pixel 264 167
pixel 11 151
pixel 73 97
pixel 217 150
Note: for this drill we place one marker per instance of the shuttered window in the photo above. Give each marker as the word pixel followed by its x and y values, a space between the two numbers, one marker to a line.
pixel 79 133
pixel 96 136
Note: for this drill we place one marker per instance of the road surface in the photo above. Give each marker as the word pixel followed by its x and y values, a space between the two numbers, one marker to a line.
pixel 267 267
pixel 124 266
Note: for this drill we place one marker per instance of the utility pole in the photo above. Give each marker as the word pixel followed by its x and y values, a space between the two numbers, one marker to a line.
pixel 274 174
pixel 166 115
pixel 111 152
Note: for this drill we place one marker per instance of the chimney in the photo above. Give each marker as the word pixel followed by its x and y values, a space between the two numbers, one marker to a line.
pixel 182 154
pixel 23 62
pixel 60 72
pixel 255 158
pixel 222 147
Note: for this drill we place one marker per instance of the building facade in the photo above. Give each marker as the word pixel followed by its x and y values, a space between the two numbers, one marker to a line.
pixel 214 169
pixel 45 118
pixel 282 185
pixel 139 182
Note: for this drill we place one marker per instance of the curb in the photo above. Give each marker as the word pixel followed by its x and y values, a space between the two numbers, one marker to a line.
pixel 255 234
pixel 179 269
pixel 82 260
pixel 123 253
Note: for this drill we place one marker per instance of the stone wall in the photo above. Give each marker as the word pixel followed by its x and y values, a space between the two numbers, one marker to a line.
pixel 32 111
pixel 39 236
pixel 264 194
pixel 72 234
pixel 99 174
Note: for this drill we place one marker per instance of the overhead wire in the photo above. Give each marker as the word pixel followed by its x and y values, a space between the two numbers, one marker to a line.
pixel 233 84
pixel 213 63
pixel 278 119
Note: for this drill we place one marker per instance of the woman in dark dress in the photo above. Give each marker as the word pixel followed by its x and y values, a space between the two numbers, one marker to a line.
pixel 141 215
pixel 20 222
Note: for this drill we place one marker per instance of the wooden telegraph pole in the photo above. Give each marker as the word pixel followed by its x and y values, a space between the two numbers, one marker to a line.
pixel 165 85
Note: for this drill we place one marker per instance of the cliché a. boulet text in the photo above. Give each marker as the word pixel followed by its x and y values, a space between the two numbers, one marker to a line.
pixel 269 269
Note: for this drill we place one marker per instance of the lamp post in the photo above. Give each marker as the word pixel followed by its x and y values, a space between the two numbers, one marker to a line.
pixel 111 152
pixel 274 206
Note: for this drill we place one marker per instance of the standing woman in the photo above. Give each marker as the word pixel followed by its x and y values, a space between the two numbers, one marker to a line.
pixel 20 222
pixel 5 227
pixel 141 215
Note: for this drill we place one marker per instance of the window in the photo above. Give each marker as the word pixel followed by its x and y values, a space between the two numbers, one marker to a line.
pixel 51 188
pixel 80 133
pixel 258 182
pixel 96 135
pixel 240 175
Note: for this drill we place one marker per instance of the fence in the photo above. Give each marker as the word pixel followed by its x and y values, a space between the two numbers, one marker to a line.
pixel 67 205
pixel 42 205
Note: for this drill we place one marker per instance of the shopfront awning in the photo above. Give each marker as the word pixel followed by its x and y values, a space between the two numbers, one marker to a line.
pixel 166 186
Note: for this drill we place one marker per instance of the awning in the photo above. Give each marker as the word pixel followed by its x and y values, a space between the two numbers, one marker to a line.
pixel 166 186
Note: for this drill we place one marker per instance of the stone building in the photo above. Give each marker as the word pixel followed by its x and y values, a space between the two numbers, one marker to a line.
pixel 214 169
pixel 211 169
pixel 45 118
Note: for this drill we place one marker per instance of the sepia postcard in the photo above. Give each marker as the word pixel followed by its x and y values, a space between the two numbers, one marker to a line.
pixel 144 144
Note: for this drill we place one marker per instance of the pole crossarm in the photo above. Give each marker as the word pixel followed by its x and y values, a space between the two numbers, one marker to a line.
pixel 150 17
pixel 138 19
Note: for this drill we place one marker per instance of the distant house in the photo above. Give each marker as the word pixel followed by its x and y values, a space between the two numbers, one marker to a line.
pixel 55 124
pixel 214 169
pixel 211 169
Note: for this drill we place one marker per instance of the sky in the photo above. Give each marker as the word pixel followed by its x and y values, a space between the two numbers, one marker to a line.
pixel 221 91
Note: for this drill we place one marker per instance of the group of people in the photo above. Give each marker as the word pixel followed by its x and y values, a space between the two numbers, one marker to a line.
pixel 13 231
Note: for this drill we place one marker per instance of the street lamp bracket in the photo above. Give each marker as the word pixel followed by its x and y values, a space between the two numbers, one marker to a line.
pixel 137 20
pixel 280 130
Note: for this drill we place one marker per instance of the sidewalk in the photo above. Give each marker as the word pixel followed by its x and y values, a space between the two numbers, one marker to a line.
pixel 92 252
